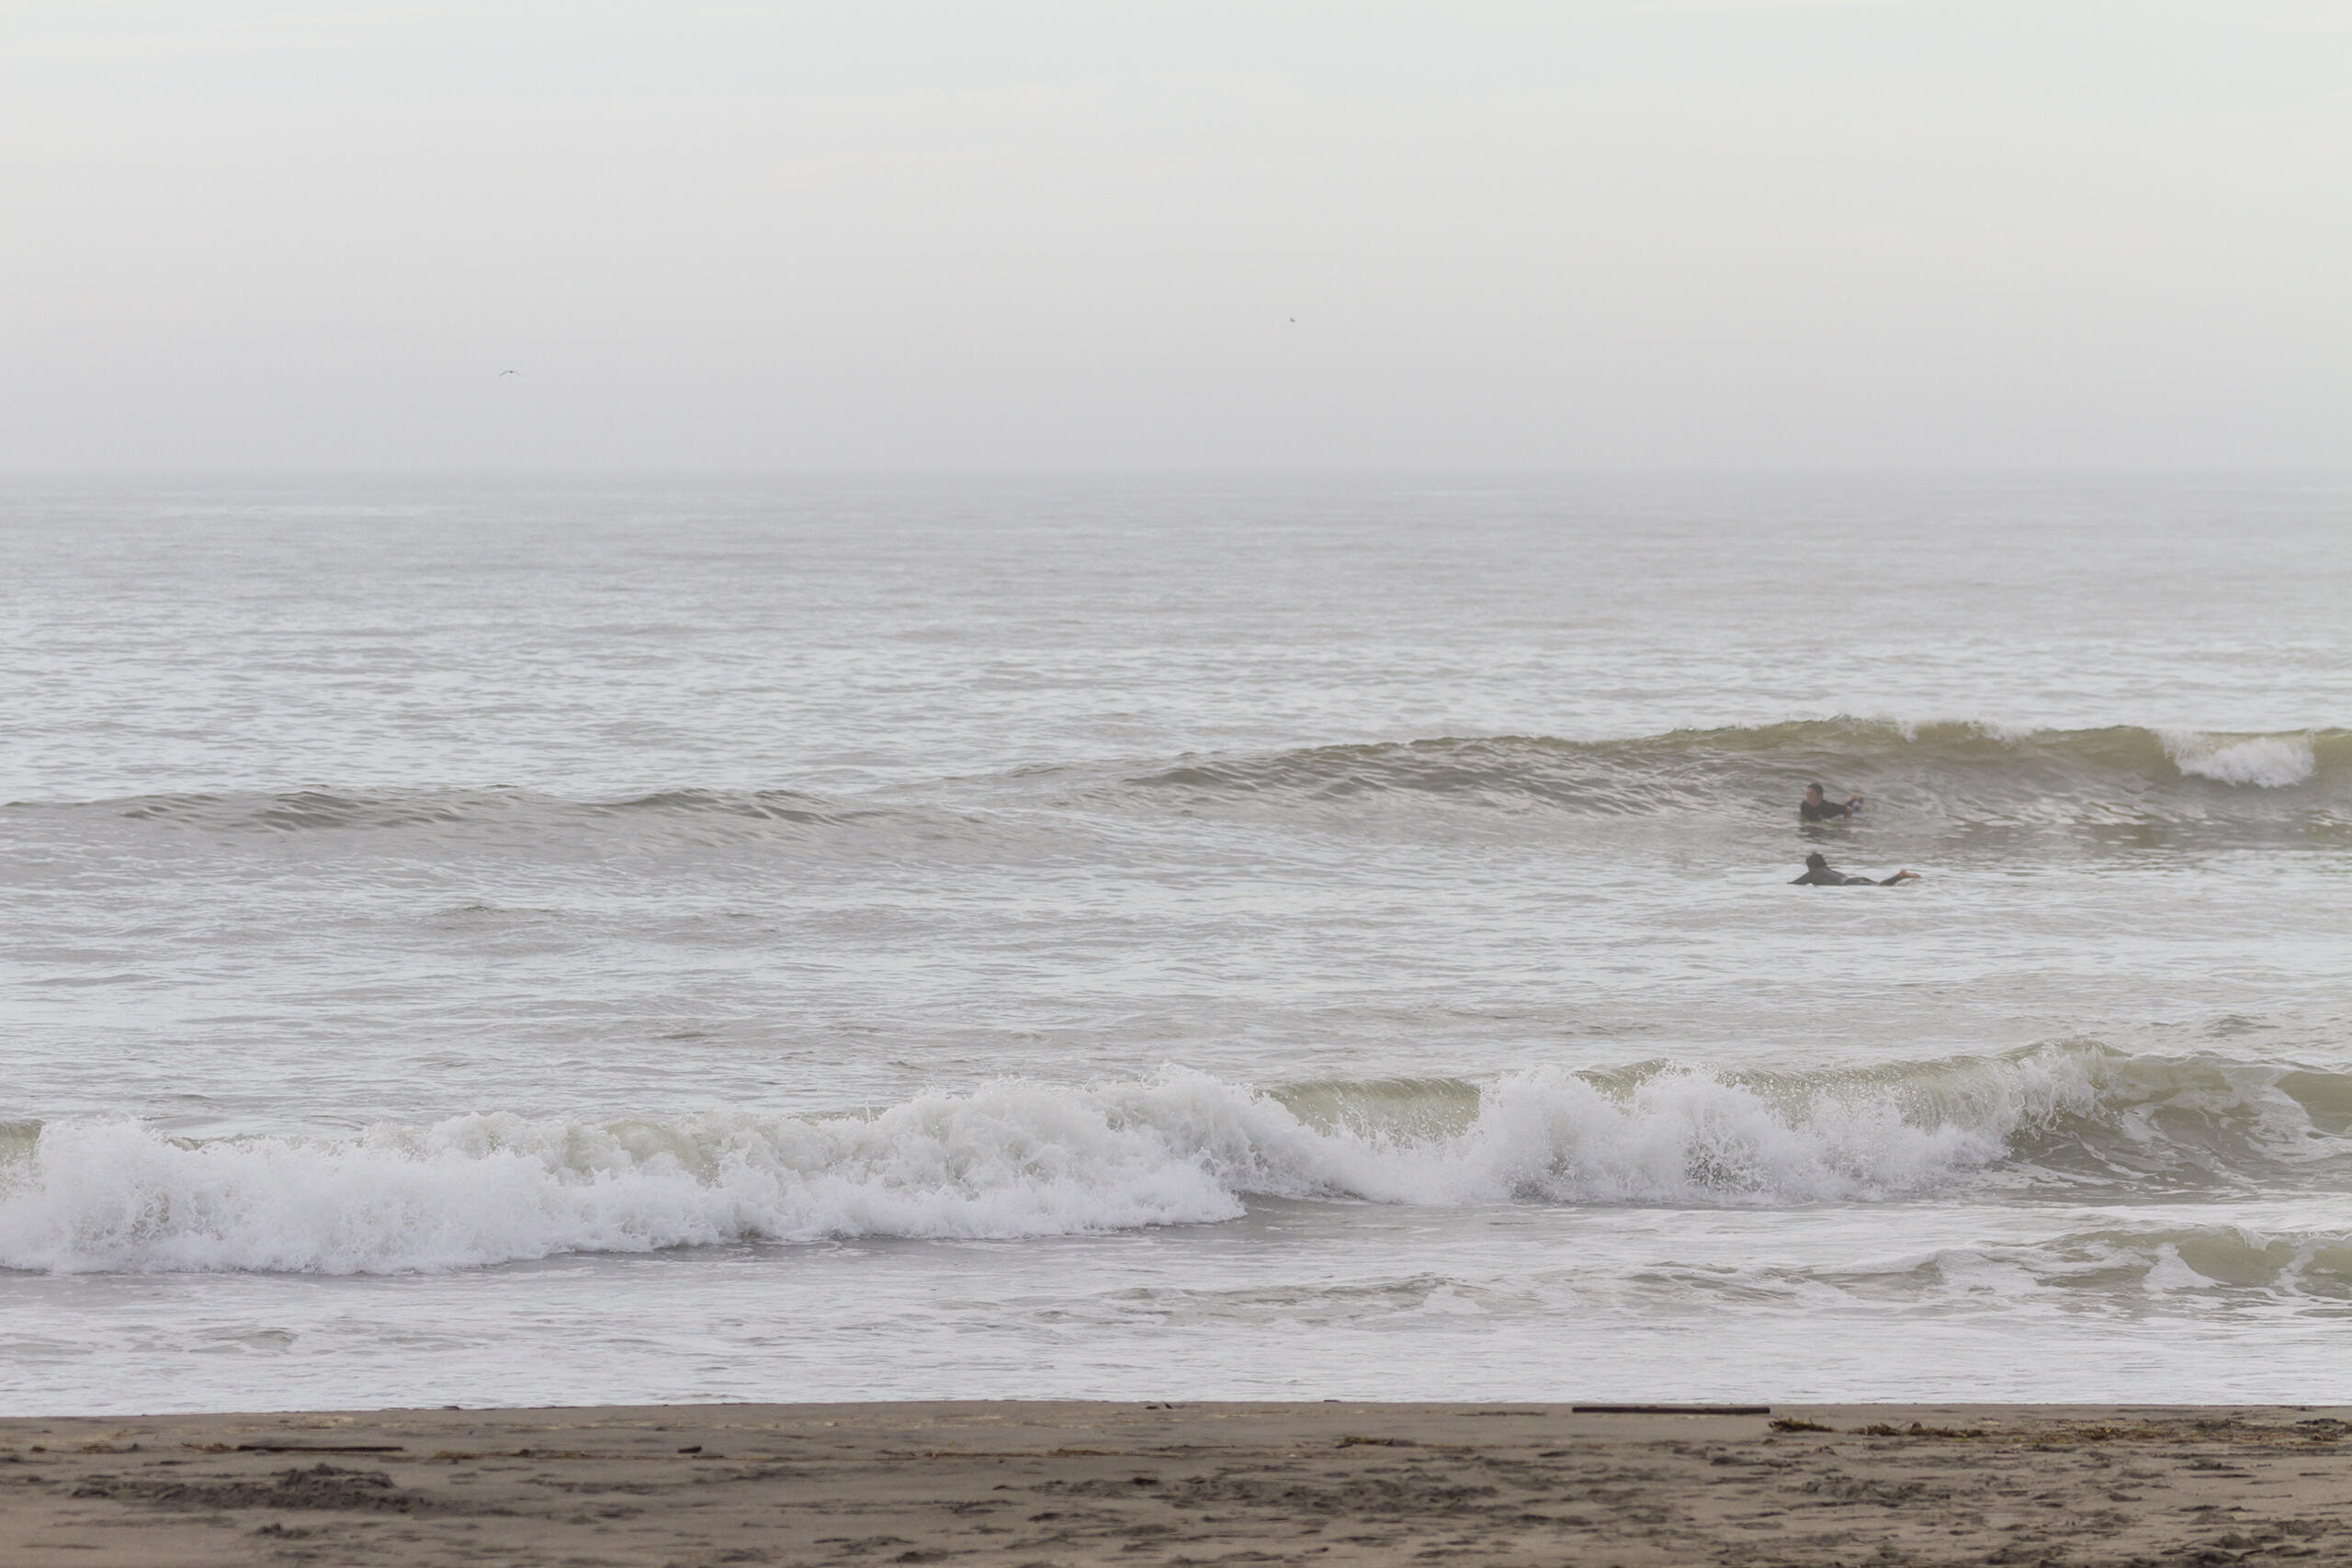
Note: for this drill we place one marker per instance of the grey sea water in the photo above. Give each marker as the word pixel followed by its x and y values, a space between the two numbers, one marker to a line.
pixel 1167 937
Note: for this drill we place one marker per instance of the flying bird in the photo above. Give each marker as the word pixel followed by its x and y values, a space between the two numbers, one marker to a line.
pixel 510 372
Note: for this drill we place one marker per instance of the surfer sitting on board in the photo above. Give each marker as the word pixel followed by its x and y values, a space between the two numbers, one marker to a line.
pixel 1818 874
pixel 1817 807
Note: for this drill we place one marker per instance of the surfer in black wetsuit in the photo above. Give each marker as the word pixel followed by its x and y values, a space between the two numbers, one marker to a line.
pixel 1818 874
pixel 1817 807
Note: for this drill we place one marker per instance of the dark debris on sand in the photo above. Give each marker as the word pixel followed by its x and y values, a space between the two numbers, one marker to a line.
pixel 324 1486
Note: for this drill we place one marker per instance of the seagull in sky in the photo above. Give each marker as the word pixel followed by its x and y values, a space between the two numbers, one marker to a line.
pixel 510 372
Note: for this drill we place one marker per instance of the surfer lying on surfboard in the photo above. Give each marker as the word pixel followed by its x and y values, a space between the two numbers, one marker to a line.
pixel 1818 874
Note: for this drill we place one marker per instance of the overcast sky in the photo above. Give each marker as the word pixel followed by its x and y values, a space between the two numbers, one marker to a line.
pixel 239 235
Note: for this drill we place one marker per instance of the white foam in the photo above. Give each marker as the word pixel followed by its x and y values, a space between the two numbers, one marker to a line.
pixel 1011 1160
pixel 2272 762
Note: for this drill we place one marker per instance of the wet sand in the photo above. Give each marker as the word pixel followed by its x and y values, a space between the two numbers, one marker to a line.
pixel 1063 1482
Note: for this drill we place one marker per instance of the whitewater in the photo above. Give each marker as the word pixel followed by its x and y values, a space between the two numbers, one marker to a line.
pixel 1172 937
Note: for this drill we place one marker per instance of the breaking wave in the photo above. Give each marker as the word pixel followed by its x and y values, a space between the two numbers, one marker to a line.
pixel 1020 1159
pixel 2268 761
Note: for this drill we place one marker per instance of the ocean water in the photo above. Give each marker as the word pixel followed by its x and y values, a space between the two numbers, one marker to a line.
pixel 1286 938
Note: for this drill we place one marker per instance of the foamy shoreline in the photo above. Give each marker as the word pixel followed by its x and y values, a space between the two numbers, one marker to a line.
pixel 1072 1481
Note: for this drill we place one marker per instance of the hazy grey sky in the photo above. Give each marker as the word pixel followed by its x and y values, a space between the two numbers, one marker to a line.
pixel 1611 233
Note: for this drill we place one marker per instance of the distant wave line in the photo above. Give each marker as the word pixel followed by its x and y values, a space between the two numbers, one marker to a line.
pixel 1930 777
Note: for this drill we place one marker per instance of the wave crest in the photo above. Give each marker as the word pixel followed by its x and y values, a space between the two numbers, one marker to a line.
pixel 1014 1159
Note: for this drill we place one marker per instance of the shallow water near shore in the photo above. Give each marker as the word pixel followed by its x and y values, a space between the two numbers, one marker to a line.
pixel 566 943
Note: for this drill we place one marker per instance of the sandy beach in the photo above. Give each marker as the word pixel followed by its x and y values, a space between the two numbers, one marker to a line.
pixel 1069 1483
